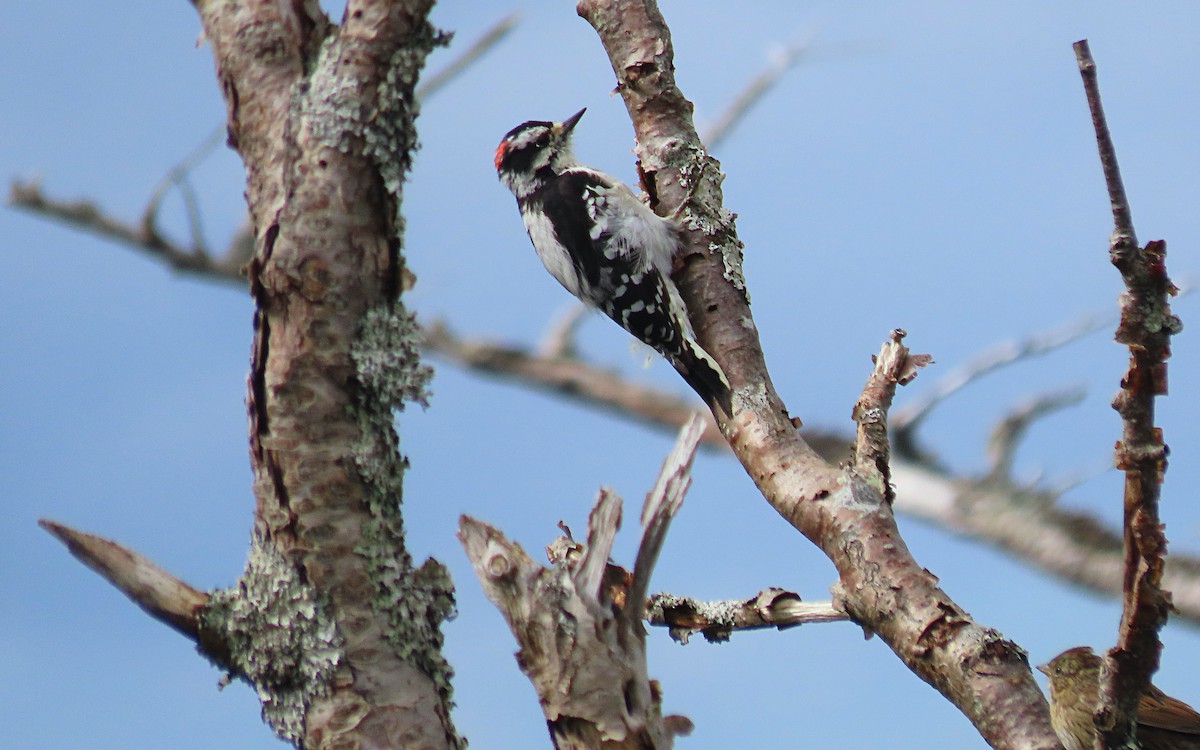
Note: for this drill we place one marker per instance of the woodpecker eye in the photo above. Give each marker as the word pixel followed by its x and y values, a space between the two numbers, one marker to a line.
pixel 542 141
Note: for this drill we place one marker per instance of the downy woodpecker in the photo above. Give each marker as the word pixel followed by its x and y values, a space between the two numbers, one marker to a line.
pixel 605 246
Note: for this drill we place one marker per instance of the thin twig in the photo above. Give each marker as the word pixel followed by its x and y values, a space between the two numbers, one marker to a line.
pixel 490 38
pixel 1006 435
pixel 178 176
pixel 779 64
pixel 89 217
pixel 1122 215
pixel 559 341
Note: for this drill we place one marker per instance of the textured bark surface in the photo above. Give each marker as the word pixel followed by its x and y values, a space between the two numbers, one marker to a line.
pixel 579 621
pixel 323 119
pixel 1146 327
pixel 881 585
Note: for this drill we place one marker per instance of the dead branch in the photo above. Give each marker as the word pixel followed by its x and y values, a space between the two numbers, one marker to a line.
pixel 160 594
pixel 578 622
pixel 753 92
pixel 662 503
pixel 907 419
pixel 87 216
pixel 769 608
pixel 1006 435
pixel 872 454
pixel 486 41
pixel 851 521
pixel 1146 327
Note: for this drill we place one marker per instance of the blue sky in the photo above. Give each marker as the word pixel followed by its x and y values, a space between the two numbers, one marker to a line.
pixel 929 166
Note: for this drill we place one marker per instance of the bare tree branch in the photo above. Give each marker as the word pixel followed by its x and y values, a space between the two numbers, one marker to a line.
pixel 983 674
pixel 907 419
pixel 89 217
pixel 489 39
pixel 160 594
pixel 1024 523
pixel 779 64
pixel 769 608
pixel 578 622
pixel 662 503
pixel 1041 536
pixel 1146 327
pixel 1006 435
pixel 872 453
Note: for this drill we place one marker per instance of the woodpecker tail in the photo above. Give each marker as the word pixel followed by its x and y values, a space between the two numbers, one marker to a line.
pixel 696 365
pixel 703 374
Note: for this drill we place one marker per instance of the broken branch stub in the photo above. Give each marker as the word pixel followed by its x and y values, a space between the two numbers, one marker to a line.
pixel 578 621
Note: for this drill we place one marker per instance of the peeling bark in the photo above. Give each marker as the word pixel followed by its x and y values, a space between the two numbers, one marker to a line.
pixel 880 585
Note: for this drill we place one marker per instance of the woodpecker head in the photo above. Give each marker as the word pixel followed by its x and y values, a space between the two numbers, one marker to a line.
pixel 535 151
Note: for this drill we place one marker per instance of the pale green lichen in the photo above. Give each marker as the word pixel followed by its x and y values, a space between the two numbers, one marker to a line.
pixel 383 129
pixel 278 637
pixel 705 201
pixel 412 602
pixel 387 355
pixel 333 109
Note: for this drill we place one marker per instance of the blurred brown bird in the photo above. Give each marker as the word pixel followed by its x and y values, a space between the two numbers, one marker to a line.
pixel 1163 723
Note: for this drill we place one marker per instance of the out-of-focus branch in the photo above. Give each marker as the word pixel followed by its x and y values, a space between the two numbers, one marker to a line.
pixel 906 419
pixel 1146 327
pixel 178 176
pixel 559 340
pixel 489 39
pixel 1006 435
pixel 87 216
pixel 198 260
pixel 578 379
pixel 780 63
pixel 716 621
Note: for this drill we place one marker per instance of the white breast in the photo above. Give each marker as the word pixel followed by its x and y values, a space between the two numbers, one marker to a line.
pixel 554 256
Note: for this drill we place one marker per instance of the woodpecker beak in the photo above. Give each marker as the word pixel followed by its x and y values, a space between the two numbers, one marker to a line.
pixel 567 125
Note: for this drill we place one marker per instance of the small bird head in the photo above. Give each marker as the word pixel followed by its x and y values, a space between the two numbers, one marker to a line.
pixel 534 151
pixel 1074 669
pixel 1070 664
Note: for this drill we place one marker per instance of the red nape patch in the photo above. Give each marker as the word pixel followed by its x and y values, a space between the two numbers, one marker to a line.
pixel 500 150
